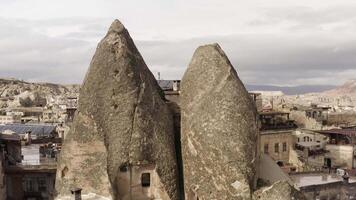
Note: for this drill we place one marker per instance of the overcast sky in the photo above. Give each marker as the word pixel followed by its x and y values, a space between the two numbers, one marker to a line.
pixel 276 42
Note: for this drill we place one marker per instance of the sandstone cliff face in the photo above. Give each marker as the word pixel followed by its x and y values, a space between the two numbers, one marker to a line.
pixel 122 121
pixel 219 129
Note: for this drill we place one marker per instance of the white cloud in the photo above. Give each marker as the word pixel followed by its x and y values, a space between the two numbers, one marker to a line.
pixel 279 42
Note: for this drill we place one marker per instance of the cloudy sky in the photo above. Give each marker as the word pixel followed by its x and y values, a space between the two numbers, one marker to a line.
pixel 276 42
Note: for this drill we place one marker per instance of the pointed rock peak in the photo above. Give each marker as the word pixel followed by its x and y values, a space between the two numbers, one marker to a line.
pixel 211 48
pixel 213 54
pixel 116 27
pixel 210 62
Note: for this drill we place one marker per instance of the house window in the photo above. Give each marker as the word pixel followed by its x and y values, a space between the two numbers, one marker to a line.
pixel 266 148
pixel 29 185
pixel 42 185
pixel 146 180
pixel 284 146
pixel 276 147
pixel 298 140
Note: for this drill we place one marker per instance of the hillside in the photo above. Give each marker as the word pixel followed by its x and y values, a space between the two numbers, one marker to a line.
pixel 15 93
pixel 292 90
pixel 348 89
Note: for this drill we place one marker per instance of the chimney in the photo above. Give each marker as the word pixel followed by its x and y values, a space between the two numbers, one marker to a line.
pixel 77 193
pixel 176 85
pixel 28 137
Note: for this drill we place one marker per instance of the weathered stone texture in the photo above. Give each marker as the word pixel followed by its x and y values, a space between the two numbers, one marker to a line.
pixel 279 191
pixel 122 115
pixel 219 129
pixel 2 178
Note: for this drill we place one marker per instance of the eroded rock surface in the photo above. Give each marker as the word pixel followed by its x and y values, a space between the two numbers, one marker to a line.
pixel 122 121
pixel 279 191
pixel 219 129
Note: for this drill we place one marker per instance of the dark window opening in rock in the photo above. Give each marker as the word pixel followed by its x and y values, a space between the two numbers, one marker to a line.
pixel 280 163
pixel 42 185
pixel 123 168
pixel 116 72
pixel 146 180
pixel 327 162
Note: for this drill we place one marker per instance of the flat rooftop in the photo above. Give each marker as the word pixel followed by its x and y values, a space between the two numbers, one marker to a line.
pixel 303 180
pixel 347 132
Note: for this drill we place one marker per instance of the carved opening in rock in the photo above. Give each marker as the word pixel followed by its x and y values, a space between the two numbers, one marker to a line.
pixel 280 163
pixel 140 182
pixel 123 168
pixel 64 171
pixel 146 180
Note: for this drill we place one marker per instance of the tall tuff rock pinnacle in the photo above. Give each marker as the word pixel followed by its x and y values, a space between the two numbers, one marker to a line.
pixel 121 145
pixel 219 129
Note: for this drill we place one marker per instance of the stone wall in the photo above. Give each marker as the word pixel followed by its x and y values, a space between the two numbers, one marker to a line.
pixel 305 122
pixel 340 155
pixel 277 137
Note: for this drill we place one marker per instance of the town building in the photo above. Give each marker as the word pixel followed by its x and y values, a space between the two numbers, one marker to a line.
pixel 36 130
pixel 10 119
pixel 319 113
pixel 325 186
pixel 171 89
pixel 340 148
pixel 34 177
pixel 27 171
pixel 276 137
pixel 257 98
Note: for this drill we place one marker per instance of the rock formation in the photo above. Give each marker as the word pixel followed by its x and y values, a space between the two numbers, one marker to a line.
pixel 219 129
pixel 279 191
pixel 121 144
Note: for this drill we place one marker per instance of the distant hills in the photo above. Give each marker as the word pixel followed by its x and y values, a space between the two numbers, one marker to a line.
pixel 349 88
pixel 303 89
